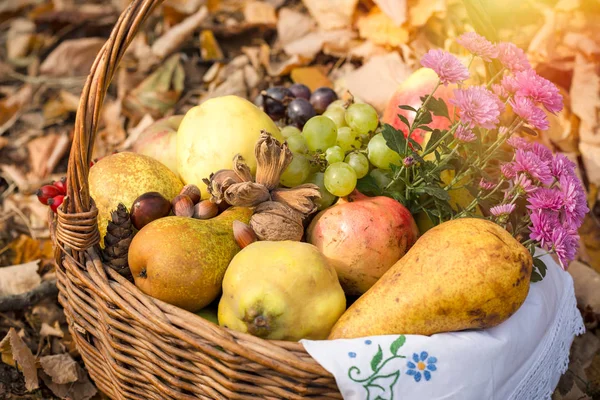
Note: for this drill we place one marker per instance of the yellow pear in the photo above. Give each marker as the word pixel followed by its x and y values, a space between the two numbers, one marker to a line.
pixel 463 274
pixel 122 178
pixel 281 290
pixel 182 260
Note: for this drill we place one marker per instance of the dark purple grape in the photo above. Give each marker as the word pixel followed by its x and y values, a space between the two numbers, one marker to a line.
pixel 300 91
pixel 321 98
pixel 299 111
pixel 275 100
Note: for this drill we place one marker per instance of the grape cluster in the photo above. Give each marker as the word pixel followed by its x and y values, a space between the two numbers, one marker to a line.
pixel 295 105
pixel 330 149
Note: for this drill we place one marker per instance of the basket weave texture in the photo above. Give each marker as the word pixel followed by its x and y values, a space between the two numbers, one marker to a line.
pixel 135 346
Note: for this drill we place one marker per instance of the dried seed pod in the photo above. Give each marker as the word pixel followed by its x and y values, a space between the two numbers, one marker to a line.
pixel 241 168
pixel 243 234
pixel 218 182
pixel 272 158
pixel 148 207
pixel 206 209
pixel 301 198
pixel 246 194
pixel 183 206
pixel 192 191
pixel 276 221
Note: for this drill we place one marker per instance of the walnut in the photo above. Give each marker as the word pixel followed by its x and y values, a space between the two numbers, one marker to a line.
pixel 276 221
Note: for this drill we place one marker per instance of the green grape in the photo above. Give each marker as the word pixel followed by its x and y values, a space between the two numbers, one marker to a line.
pixel 337 114
pixel 290 130
pixel 347 139
pixel 327 198
pixel 340 179
pixel 320 133
pixel 380 154
pixel 381 177
pixel 359 162
pixel 296 173
pixel 334 154
pixel 297 144
pixel 362 118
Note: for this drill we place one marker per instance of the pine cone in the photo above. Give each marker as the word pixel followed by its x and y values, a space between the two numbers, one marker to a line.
pixel 119 234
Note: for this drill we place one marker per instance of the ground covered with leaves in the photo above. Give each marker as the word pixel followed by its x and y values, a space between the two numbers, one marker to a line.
pixel 192 50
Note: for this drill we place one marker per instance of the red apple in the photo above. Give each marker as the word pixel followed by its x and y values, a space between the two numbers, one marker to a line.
pixel 159 141
pixel 362 237
pixel 419 83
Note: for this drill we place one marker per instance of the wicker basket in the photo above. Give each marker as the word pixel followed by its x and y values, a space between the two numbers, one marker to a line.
pixel 135 346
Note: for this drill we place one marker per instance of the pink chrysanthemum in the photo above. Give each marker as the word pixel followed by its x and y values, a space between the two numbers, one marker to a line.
pixel 574 200
pixel 509 84
pixel 446 66
pixel 518 143
pixel 530 163
pixel 478 107
pixel 564 243
pixel 523 185
pixel 512 57
pixel 541 90
pixel 547 199
pixel 478 45
pixel 464 134
pixel 502 210
pixel 561 165
pixel 487 185
pixel 526 109
pixel 543 223
pixel 508 171
pixel 544 153
pixel 500 91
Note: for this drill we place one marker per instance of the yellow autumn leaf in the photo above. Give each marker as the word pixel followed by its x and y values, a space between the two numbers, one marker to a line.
pixel 381 29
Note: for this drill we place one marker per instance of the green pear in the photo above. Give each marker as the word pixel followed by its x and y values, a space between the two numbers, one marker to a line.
pixel 463 274
pixel 182 260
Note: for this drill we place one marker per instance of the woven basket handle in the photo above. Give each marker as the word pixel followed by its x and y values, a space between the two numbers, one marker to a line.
pixel 92 98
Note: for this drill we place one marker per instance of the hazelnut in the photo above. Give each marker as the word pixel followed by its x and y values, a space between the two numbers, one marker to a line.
pixel 243 234
pixel 192 191
pixel 183 206
pixel 206 209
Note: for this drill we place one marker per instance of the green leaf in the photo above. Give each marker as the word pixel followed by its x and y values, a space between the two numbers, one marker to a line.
pixel 407 108
pixel 396 344
pixel 424 119
pixel 414 144
pixel 540 268
pixel 435 136
pixel 437 192
pixel 535 277
pixel 438 107
pixel 394 139
pixel 368 185
pixel 377 359
pixel 404 120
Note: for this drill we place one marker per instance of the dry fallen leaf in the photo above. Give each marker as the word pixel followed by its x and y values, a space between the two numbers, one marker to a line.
pixel 293 25
pixel 26 249
pixel 158 93
pixel 380 29
pixel 72 57
pixel 45 152
pixel 395 9
pixel 419 11
pixel 313 77
pixel 376 81
pixel 47 330
pixel 177 35
pixel 209 47
pixel 60 367
pixel 11 107
pixel 81 389
pixel 590 239
pixel 331 14
pixel 587 285
pixel 19 38
pixel 310 45
pixel 14 349
pixel 18 279
pixel 259 13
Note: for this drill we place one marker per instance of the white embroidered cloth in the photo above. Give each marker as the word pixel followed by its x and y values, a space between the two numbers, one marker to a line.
pixel 520 359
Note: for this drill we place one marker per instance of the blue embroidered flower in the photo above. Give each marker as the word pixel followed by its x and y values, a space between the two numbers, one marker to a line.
pixel 421 366
pixel 352 354
pixel 368 341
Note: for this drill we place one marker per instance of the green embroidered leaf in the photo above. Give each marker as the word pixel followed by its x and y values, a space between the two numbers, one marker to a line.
pixel 394 139
pixel 396 344
pixel 377 359
pixel 382 387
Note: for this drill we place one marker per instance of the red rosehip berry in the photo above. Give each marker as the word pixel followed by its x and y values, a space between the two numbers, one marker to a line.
pixel 47 192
